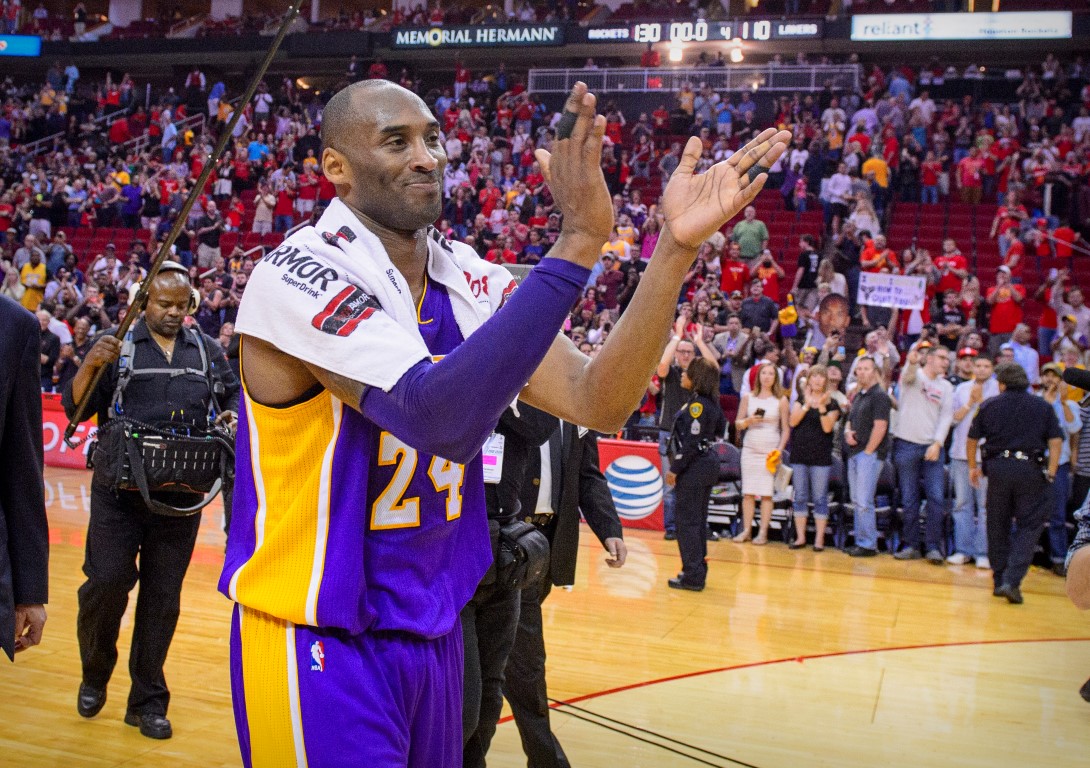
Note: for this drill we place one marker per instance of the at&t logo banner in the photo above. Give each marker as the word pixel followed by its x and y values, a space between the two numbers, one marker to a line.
pixel 634 474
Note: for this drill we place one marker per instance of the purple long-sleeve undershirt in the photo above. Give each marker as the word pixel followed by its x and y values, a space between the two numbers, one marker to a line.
pixel 449 408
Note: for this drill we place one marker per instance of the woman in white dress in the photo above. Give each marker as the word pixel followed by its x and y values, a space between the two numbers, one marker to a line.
pixel 763 414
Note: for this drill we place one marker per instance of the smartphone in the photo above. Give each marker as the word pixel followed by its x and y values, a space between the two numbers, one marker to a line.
pixel 840 350
pixel 759 413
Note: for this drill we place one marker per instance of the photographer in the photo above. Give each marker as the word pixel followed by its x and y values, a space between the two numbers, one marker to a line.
pixel 92 308
pixel 171 376
pixel 490 619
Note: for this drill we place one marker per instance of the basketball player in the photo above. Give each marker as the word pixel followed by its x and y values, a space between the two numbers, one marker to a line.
pixel 376 361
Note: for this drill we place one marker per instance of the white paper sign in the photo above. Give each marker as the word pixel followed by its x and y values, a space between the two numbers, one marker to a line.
pixel 897 291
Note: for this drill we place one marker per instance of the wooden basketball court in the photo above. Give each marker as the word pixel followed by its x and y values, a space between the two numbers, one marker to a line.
pixel 788 659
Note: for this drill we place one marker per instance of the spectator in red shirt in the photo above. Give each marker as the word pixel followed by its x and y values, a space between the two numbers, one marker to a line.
pixel 1041 241
pixel 734 272
pixel 877 256
pixel 501 253
pixel 308 191
pixel 378 70
pixel 1064 240
pixel 661 119
pixel 168 186
pixel 769 272
pixel 1008 219
pixel 930 170
pixel 1015 260
pixel 326 190
pixel 119 131
pixel 609 282
pixel 860 137
pixel 1005 300
pixel 7 212
pixel 952 266
pixel 462 77
pixel 283 211
pixel 489 197
pixel 970 177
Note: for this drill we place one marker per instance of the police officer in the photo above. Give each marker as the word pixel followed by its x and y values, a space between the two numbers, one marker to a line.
pixel 1017 429
pixel 121 525
pixel 694 468
pixel 564 482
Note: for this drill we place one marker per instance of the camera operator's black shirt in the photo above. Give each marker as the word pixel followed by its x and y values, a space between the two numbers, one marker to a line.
pixel 181 397
pixel 1015 421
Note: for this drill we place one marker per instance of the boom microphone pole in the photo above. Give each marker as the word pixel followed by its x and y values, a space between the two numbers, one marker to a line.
pixel 141 298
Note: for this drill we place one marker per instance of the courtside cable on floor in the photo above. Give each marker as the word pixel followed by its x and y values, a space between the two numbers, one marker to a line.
pixel 563 706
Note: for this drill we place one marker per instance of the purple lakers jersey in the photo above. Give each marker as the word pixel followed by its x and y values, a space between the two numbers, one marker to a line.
pixel 337 523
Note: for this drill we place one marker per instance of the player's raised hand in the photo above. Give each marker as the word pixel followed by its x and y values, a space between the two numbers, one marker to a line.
pixel 573 171
pixel 695 206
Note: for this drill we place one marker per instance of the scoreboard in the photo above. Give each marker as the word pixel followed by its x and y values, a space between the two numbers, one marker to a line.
pixel 701 31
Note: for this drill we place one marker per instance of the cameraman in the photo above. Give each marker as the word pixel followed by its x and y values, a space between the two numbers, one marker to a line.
pixel 168 384
pixel 490 620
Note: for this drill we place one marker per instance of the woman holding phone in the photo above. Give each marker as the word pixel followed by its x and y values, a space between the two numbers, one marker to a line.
pixel 812 420
pixel 763 416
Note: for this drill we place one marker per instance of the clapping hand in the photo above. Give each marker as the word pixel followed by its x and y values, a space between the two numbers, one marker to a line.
pixel 696 206
pixel 573 171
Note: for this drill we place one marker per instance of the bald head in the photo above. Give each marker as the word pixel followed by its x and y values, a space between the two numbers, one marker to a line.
pixel 355 104
pixel 384 155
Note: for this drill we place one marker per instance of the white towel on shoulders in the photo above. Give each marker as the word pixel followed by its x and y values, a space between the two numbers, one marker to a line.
pixel 330 296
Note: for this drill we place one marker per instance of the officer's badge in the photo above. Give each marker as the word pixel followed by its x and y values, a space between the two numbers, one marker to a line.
pixel 695 410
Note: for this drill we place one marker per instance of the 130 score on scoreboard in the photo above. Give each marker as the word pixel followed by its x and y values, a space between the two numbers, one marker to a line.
pixel 701 31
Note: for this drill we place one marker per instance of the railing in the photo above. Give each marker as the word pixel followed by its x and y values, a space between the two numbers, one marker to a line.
pixel 44 144
pixel 781 78
pixel 184 27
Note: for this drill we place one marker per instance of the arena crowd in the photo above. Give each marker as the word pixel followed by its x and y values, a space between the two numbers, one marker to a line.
pixel 869 174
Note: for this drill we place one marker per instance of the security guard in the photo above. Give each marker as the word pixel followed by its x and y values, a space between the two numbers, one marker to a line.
pixel 1018 430
pixel 694 468
pixel 121 525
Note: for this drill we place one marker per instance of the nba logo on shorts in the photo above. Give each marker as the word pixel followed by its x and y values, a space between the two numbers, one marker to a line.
pixel 636 486
pixel 317 654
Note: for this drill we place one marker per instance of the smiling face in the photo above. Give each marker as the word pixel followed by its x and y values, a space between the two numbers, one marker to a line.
pixel 384 155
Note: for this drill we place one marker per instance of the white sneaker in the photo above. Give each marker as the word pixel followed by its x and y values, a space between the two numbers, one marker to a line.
pixel 983 564
pixel 958 559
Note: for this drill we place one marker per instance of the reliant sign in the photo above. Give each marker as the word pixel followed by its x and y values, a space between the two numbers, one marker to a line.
pixel 909 27
pixel 478 37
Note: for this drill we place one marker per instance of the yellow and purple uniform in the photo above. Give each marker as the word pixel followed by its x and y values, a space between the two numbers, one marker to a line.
pixel 354 542
pixel 350 555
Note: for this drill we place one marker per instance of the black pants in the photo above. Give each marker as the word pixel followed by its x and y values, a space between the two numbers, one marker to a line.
pixel 692 493
pixel 489 622
pixel 121 528
pixel 1017 505
pixel 525 687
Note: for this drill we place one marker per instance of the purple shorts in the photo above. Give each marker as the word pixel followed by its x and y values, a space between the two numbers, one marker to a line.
pixel 314 697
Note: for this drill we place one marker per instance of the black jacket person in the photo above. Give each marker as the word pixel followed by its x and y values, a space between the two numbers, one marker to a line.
pixel 490 619
pixel 121 525
pixel 24 535
pixel 694 469
pixel 563 483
